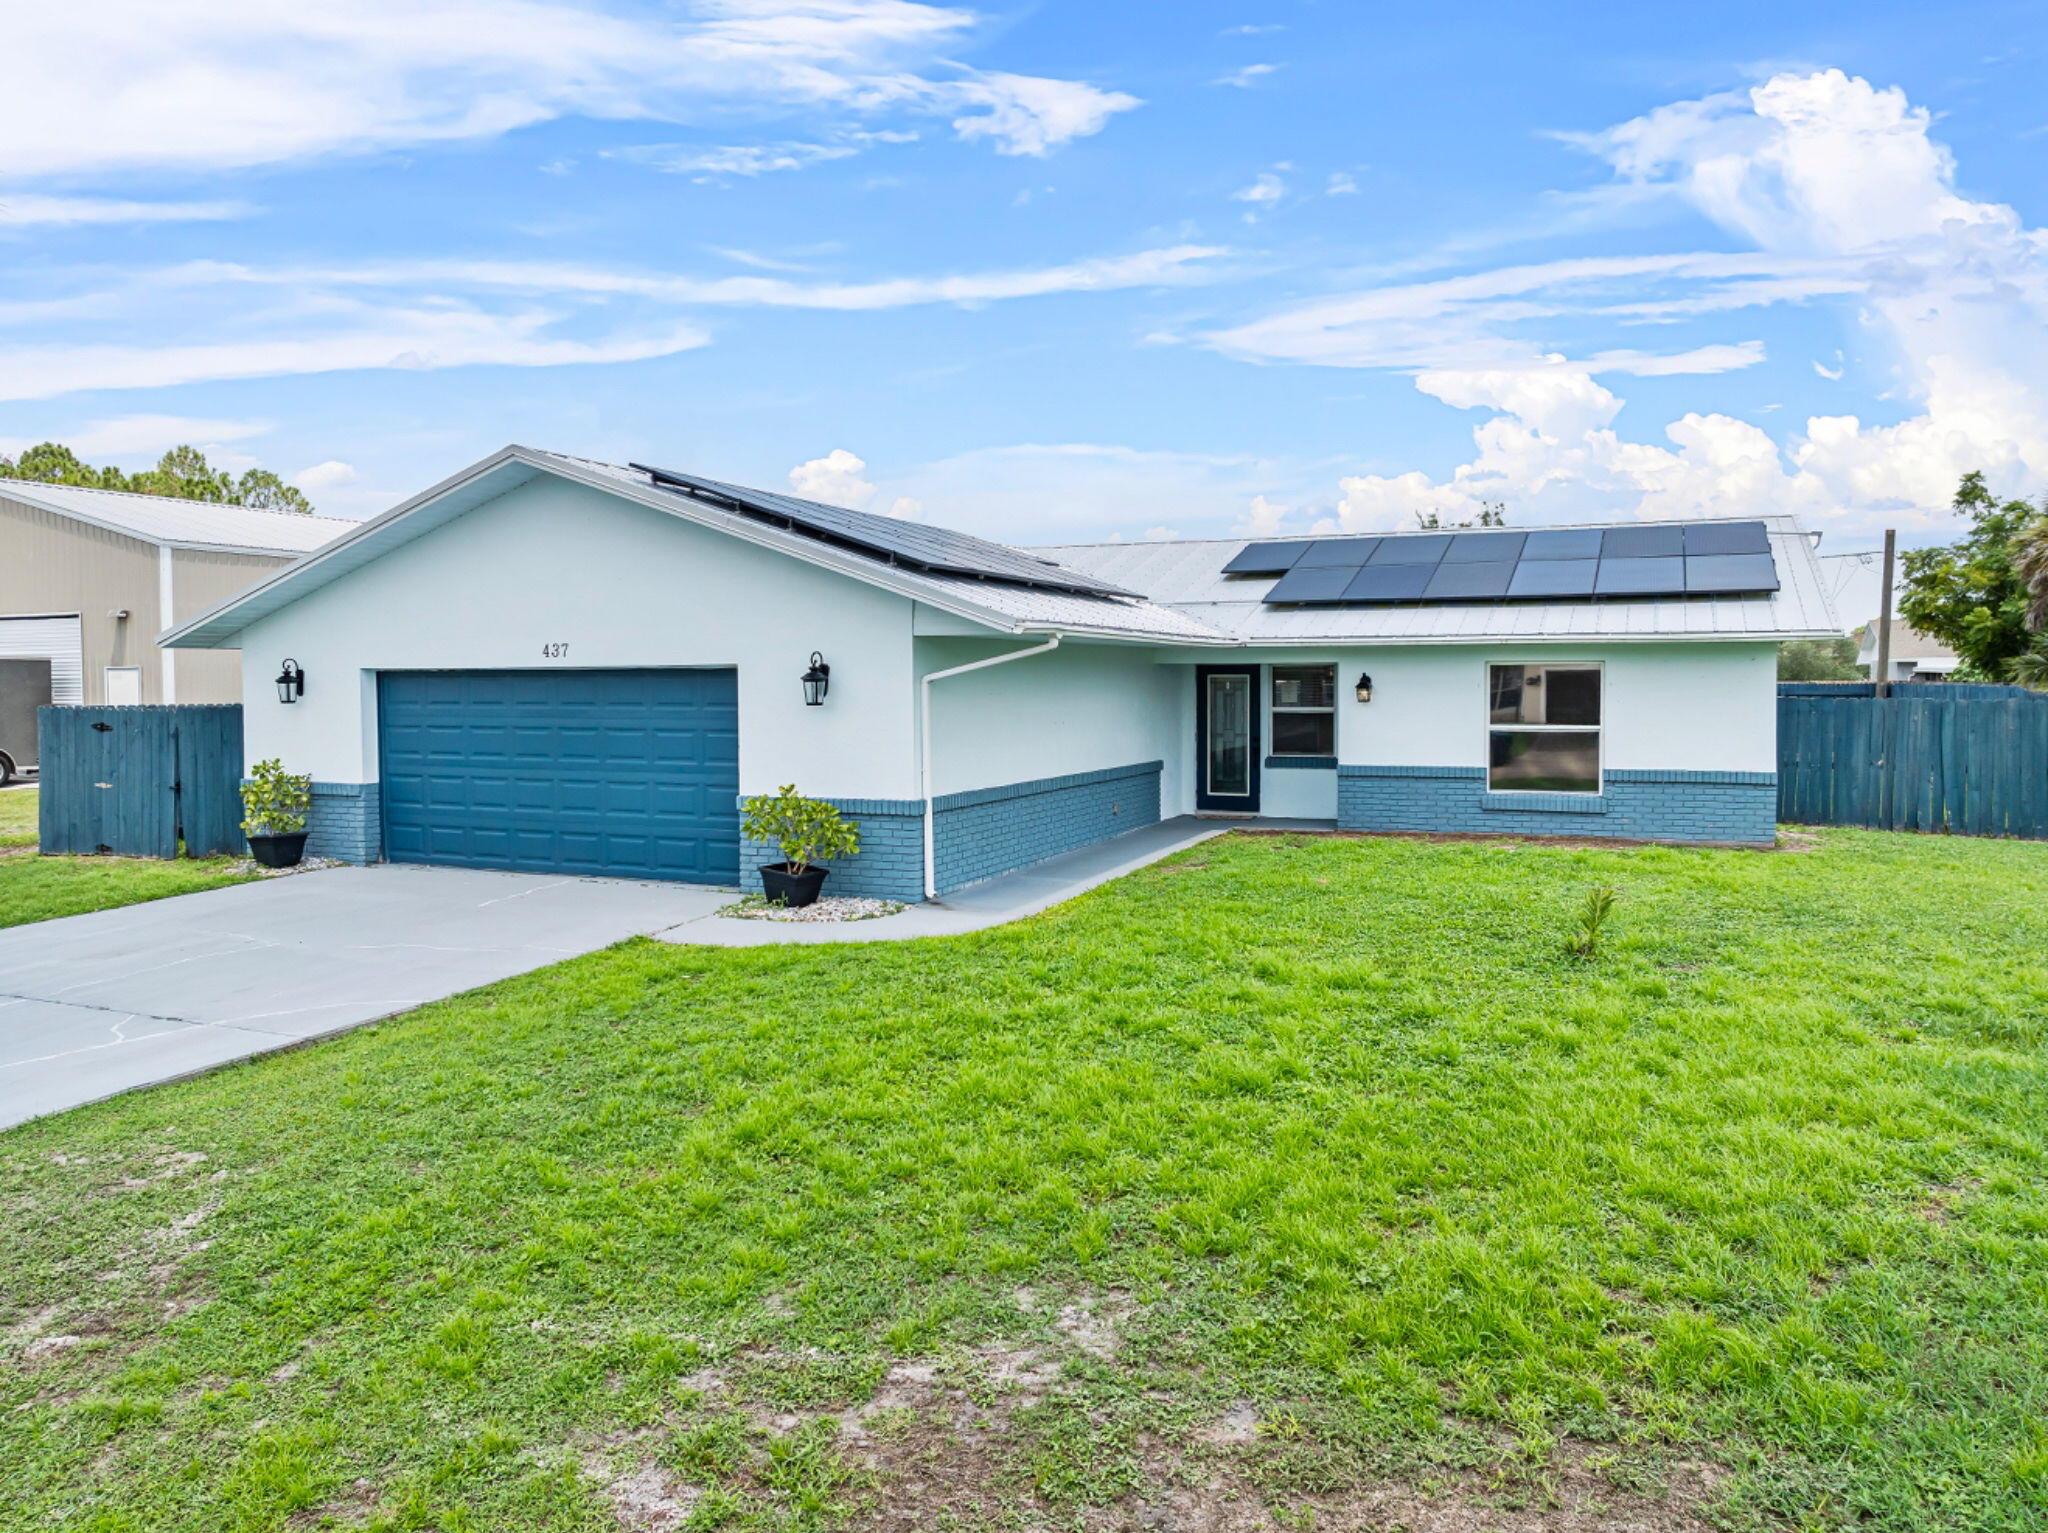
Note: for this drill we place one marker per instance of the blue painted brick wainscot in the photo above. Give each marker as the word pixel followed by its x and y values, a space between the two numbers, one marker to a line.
pixel 979 833
pixel 888 866
pixel 986 831
pixel 346 822
pixel 1632 804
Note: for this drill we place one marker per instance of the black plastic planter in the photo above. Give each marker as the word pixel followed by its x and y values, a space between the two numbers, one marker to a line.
pixel 278 851
pixel 795 890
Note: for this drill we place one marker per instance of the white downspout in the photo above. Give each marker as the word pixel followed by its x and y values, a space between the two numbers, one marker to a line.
pixel 924 754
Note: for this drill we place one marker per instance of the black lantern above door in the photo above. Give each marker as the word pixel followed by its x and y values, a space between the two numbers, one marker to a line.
pixel 291 682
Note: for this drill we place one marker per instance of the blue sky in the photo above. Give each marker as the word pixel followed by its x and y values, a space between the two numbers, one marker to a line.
pixel 1054 272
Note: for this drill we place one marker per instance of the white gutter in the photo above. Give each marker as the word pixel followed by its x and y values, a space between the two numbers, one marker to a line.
pixel 924 753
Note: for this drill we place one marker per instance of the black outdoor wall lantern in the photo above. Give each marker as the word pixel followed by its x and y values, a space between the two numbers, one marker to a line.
pixel 1364 687
pixel 817 681
pixel 291 683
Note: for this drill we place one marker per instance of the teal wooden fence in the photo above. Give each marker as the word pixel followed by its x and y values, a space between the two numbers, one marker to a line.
pixel 139 782
pixel 1934 756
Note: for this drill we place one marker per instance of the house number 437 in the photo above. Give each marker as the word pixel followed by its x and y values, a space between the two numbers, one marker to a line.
pixel 554 652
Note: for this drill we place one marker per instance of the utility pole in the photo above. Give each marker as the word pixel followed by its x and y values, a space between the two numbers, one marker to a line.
pixel 1883 676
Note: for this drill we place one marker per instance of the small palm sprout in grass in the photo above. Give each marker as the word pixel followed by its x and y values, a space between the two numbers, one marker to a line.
pixel 1593 914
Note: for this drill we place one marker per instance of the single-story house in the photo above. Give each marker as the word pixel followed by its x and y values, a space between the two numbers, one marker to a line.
pixel 89 577
pixel 1914 656
pixel 549 663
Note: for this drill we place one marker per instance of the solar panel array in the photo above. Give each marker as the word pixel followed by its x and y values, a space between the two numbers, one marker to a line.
pixel 1562 564
pixel 932 550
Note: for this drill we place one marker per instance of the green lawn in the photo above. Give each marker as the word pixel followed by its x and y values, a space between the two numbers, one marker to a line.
pixel 18 816
pixel 37 888
pixel 1305 1174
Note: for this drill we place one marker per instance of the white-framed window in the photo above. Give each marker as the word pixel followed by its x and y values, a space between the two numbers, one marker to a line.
pixel 1304 710
pixel 122 684
pixel 1543 728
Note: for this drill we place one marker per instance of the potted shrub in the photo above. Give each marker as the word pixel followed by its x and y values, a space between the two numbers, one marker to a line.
pixel 808 830
pixel 274 805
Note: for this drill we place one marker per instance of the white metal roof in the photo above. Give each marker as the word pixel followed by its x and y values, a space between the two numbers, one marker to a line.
pixel 183 523
pixel 1005 608
pixel 1186 598
pixel 1187 577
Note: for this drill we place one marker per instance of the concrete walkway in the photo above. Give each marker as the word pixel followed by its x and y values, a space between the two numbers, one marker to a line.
pixel 96 1004
pixel 1010 897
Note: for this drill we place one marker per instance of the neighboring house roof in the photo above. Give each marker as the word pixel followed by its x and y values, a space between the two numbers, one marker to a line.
pixel 174 523
pixel 1187 576
pixel 1186 599
pixel 1908 643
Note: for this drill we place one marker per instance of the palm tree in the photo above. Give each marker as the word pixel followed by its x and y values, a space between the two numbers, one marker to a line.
pixel 2030 563
pixel 2028 670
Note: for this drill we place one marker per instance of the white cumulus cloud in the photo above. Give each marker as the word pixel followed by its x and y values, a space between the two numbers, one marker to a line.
pixel 1838 191
pixel 326 476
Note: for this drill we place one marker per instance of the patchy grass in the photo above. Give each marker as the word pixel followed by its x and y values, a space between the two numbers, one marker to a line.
pixel 37 888
pixel 18 808
pixel 1194 1198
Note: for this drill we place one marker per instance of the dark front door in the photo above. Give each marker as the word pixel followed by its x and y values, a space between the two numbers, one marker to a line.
pixel 625 774
pixel 1227 738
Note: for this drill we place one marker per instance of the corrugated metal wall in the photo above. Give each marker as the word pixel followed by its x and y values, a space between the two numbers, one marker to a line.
pixel 54 639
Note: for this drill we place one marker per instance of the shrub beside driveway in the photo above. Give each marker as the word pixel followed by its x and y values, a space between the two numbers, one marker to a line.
pixel 1302 1181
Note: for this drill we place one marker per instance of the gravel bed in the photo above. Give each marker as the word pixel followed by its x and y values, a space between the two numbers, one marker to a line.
pixel 304 865
pixel 833 907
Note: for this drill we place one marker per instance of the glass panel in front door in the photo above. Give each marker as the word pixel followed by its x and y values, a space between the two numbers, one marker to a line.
pixel 1230 735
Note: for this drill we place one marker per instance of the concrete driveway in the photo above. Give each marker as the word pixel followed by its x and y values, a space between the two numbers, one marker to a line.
pixel 96 1004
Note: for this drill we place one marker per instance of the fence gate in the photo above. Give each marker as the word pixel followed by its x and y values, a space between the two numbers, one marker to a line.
pixel 138 781
pixel 1939 756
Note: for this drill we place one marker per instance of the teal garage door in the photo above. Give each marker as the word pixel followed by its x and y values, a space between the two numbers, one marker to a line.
pixel 619 774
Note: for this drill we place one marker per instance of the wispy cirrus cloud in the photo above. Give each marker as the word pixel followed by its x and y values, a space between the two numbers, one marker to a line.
pixel 1164 266
pixel 411 339
pixel 26 210
pixel 108 86
pixel 434 314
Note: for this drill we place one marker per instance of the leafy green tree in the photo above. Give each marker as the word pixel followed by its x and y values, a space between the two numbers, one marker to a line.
pixel 182 473
pixel 1492 513
pixel 1971 595
pixel 1819 660
pixel 260 488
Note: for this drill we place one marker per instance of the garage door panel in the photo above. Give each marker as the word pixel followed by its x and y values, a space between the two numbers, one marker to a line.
pixel 618 773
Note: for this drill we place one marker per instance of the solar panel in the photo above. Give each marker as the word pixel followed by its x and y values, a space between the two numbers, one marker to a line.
pixel 1726 574
pixel 1317 583
pixel 1427 549
pixel 1535 578
pixel 1554 564
pixel 1728 538
pixel 1267 558
pixel 1389 582
pixel 1640 577
pixel 934 550
pixel 1347 551
pixel 1573 543
pixel 1486 548
pixel 1642 543
pixel 1468 582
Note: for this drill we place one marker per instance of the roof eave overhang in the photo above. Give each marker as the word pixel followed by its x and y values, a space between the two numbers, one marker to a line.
pixel 512 466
